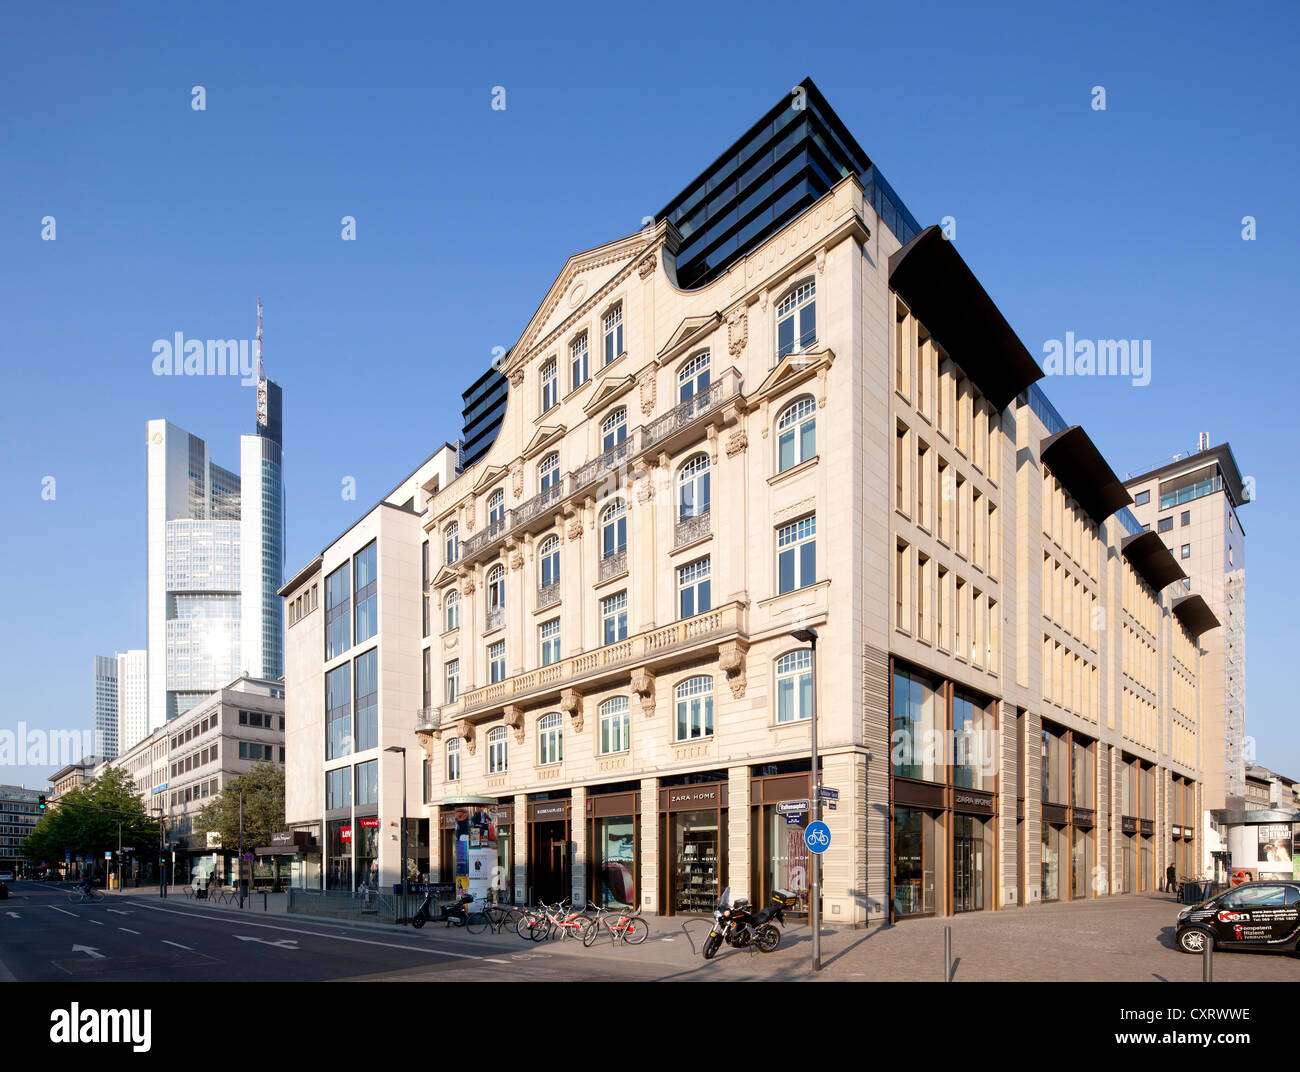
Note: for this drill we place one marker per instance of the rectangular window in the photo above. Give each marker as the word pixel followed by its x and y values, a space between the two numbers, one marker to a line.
pixel 338 711
pixel 1165 524
pixel 693 588
pixel 497 662
pixel 549 638
pixel 424 586
pixel 338 617
pixel 613 617
pixel 453 681
pixel 1186 517
pixel 902 587
pixel 338 788
pixel 1142 498
pixel 1187 550
pixel 367 703
pixel 368 783
pixel 428 680
pixel 796 554
pixel 453 761
pixel 578 361
pixel 613 333
pixel 367 601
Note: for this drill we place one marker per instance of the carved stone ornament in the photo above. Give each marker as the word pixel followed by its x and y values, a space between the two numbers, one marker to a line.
pixel 731 661
pixel 467 586
pixel 645 488
pixel 514 718
pixel 467 514
pixel 427 742
pixel 737 333
pixel 517 377
pixel 647 393
pixel 466 732
pixel 643 685
pixel 821 260
pixel 516 560
pixel 575 528
pixel 647 266
pixel 571 705
pixel 737 442
pixel 517 479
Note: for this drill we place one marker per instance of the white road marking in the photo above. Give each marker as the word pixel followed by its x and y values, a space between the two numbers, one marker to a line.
pixel 64 911
pixel 95 954
pixel 115 911
pixel 283 943
pixel 337 937
pixel 128 930
pixel 14 914
pixel 177 945
pixel 95 922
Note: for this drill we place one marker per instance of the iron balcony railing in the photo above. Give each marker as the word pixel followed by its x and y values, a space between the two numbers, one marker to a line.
pixel 596 469
pixel 428 718
pixel 681 415
pixel 613 565
pixel 496 618
pixel 525 512
pixel 498 528
pixel 690 529
pixel 548 595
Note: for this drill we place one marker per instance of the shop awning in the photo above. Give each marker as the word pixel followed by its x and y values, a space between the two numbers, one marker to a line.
pixel 1148 555
pixel 944 295
pixel 1195 614
pixel 1083 472
pixel 452 802
pixel 287 850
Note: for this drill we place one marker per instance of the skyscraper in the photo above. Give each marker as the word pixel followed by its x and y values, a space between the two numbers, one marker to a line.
pixel 215 559
pixel 106 735
pixel 121 710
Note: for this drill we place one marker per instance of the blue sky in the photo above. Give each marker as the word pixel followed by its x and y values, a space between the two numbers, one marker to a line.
pixel 1124 223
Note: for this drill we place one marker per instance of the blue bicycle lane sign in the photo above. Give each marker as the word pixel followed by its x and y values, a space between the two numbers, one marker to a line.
pixel 817 837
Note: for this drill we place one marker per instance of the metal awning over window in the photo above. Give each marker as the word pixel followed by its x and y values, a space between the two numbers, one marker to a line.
pixel 1083 472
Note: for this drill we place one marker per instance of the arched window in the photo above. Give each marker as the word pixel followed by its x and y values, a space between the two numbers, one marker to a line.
pixel 453 760
pixel 613 429
pixel 794 686
pixel 451 610
pixel 693 488
pixel 496 507
pixel 693 376
pixel 613 529
pixel 496 587
pixel 548 472
pixel 550 385
pixel 615 726
pixel 549 552
pixel 498 751
pixel 796 434
pixel 451 541
pixel 550 739
pixel 694 700
pixel 796 320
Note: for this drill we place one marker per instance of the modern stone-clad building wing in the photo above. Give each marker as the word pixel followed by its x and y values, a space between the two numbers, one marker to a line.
pixel 706 448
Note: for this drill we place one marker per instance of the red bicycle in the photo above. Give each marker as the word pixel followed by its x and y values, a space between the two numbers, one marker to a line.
pixel 629 926
pixel 560 919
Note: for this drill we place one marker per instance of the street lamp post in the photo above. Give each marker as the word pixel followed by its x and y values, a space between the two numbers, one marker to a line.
pixel 808 635
pixel 241 846
pixel 401 867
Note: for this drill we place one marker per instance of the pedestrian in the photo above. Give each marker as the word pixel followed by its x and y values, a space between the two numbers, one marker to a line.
pixel 1171 878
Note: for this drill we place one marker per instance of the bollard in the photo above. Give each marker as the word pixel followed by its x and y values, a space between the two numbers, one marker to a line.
pixel 264 900
pixel 1207 961
pixel 947 954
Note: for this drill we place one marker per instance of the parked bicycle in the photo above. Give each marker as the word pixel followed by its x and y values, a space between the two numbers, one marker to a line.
pixel 493 917
pixel 548 920
pixel 618 924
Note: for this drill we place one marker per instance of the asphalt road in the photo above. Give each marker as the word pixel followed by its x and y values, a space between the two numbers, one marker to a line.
pixel 45 938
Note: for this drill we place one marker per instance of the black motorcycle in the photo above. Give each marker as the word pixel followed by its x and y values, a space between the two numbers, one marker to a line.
pixel 455 914
pixel 740 926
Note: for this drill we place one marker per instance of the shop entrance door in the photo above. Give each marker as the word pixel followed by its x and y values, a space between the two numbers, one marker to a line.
pixel 551 874
pixel 968 864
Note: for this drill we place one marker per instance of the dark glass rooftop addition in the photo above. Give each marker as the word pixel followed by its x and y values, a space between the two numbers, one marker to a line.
pixel 484 407
pixel 787 161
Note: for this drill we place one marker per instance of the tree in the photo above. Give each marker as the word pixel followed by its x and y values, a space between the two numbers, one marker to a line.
pixel 84 821
pixel 263 787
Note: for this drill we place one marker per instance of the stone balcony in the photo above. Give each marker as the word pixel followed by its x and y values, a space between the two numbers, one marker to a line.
pixel 661 647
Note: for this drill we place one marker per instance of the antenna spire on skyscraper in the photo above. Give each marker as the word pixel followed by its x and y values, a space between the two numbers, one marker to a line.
pixel 261 373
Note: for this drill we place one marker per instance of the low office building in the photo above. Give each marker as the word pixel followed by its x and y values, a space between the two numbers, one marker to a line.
pixel 73 775
pixel 19 812
pixel 618 677
pixel 179 767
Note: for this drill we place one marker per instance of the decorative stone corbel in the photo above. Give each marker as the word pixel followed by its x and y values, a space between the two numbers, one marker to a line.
pixel 514 718
pixel 516 558
pixel 762 417
pixel 575 528
pixel 571 705
pixel 517 480
pixel 643 685
pixel 467 584
pixel 737 332
pixel 737 442
pixel 466 732
pixel 517 377
pixel 731 661
pixel 467 513
pixel 821 260
pixel 647 266
pixel 428 744
pixel 713 443
pixel 647 384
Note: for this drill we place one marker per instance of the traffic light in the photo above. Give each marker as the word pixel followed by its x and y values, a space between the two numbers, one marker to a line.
pixel 40 802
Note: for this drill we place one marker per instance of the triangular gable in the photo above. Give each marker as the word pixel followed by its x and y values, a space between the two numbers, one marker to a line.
pixel 607 390
pixel 445 574
pixel 543 439
pixel 792 370
pixel 583 277
pixel 490 475
pixel 691 329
